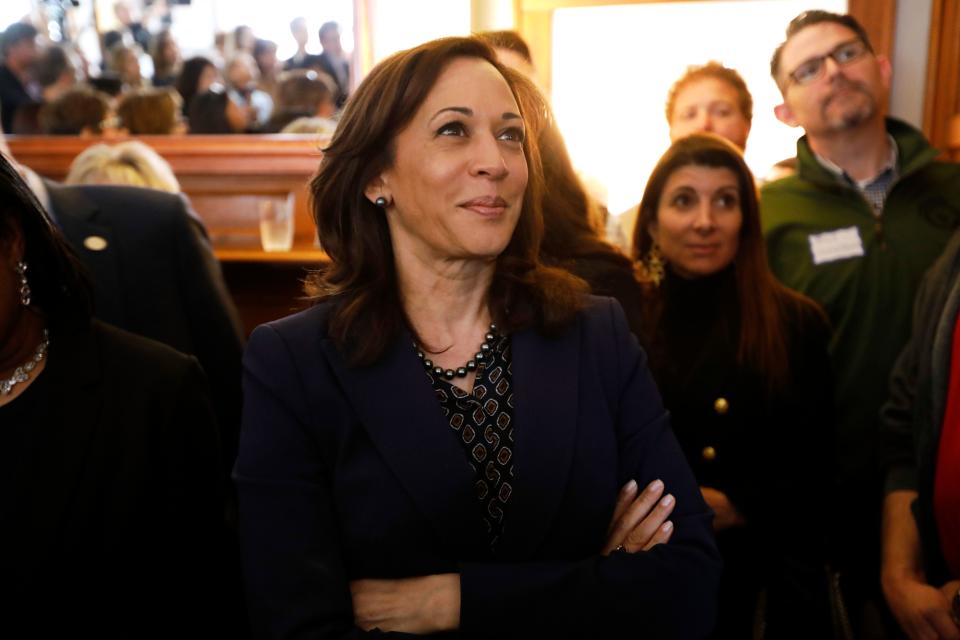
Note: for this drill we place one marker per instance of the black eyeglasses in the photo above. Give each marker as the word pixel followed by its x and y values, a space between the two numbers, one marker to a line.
pixel 843 54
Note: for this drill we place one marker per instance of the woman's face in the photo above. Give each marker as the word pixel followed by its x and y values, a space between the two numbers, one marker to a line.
pixel 208 76
pixel 698 220
pixel 170 52
pixel 459 175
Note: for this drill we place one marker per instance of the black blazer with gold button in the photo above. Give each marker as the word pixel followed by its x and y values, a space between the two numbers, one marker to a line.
pixel 346 473
pixel 769 449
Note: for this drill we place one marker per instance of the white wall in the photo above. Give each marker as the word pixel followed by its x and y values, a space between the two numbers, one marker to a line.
pixel 910 60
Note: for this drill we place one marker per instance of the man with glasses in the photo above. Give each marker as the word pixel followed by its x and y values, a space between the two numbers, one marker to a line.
pixel 867 213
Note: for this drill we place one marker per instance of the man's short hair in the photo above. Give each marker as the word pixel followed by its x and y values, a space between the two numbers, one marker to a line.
pixel 712 69
pixel 326 27
pixel 808 19
pixel 51 65
pixel 16 33
pixel 304 90
pixel 509 40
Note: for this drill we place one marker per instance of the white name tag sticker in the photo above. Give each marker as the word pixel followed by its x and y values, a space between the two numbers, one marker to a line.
pixel 836 245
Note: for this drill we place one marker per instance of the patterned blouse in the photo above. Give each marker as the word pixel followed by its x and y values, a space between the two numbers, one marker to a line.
pixel 483 424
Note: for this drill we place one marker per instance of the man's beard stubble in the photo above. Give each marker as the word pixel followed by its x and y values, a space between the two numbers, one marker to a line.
pixel 850 115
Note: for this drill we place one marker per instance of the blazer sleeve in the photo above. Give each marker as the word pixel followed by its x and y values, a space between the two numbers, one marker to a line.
pixel 293 571
pixel 667 592
pixel 213 323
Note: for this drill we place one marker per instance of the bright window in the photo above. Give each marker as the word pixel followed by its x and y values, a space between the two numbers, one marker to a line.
pixel 613 66
pixel 397 25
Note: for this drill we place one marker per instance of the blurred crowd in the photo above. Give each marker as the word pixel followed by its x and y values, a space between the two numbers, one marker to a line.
pixel 143 86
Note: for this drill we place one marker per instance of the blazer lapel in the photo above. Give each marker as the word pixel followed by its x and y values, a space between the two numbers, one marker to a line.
pixel 94 242
pixel 545 388
pixel 397 407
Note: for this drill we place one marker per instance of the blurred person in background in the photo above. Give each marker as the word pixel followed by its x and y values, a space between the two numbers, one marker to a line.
pixel 512 50
pixel 302 93
pixel 196 76
pixel 19 52
pixel 710 98
pixel 243 39
pixel 572 223
pixel 81 111
pixel 166 59
pixel 124 63
pixel 265 55
pixel 707 98
pixel 151 112
pixel 242 75
pixel 216 112
pixel 131 163
pixel 332 61
pixel 301 35
pixel 56 71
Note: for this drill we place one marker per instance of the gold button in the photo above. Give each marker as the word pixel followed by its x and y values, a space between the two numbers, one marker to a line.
pixel 95 243
pixel 709 453
pixel 721 406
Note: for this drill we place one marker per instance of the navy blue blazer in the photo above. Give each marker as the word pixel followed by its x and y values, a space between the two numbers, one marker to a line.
pixel 349 473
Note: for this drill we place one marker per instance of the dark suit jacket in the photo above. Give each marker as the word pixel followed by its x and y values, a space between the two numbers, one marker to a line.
pixel 323 62
pixel 115 514
pixel 351 472
pixel 157 277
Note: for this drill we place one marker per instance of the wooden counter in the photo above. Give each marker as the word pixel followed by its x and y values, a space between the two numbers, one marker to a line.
pixel 226 177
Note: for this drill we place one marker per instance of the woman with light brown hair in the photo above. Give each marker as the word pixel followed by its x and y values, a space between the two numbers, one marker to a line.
pixel 456 438
pixel 151 112
pixel 742 364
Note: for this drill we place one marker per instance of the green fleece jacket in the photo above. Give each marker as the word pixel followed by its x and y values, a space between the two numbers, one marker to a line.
pixel 865 273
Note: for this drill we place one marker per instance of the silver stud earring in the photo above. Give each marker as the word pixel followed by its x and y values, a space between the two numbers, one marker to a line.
pixel 25 292
pixel 381 202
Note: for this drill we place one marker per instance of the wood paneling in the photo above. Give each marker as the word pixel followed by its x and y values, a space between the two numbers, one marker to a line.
pixel 879 18
pixel 224 176
pixel 941 117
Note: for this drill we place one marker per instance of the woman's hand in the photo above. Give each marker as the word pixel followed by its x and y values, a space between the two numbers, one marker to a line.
pixel 640 522
pixel 426 604
pixel 725 514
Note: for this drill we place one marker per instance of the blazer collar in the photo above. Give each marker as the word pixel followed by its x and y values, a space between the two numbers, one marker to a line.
pixel 397 407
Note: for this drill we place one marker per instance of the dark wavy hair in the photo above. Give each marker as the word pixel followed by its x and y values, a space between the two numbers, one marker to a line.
pixel 58 283
pixel 361 280
pixel 190 73
pixel 764 303
pixel 572 222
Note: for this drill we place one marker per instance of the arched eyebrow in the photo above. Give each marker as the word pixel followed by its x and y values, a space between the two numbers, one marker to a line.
pixel 506 115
